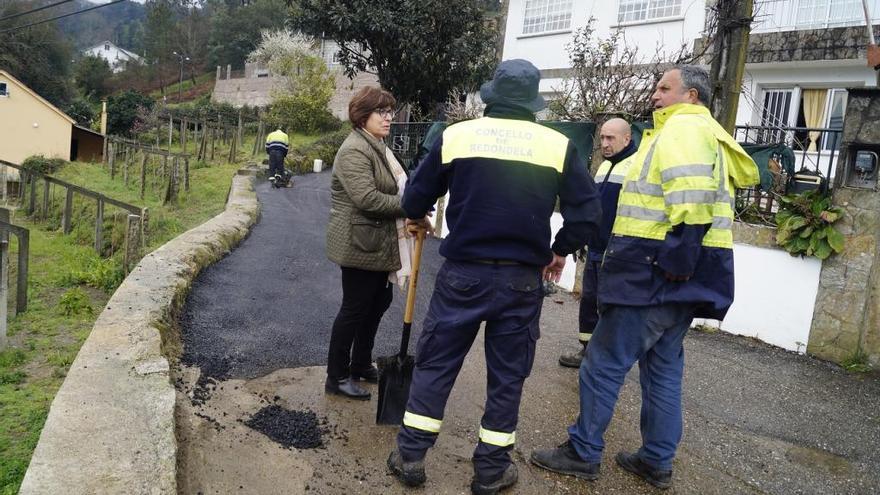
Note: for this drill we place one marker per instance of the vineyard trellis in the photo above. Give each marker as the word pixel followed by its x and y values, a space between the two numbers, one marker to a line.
pixel 112 225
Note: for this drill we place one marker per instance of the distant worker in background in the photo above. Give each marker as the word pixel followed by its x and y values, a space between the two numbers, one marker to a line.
pixel 277 144
pixel 617 149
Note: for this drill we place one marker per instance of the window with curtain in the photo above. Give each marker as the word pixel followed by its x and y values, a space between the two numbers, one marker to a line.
pixel 542 16
pixel 646 10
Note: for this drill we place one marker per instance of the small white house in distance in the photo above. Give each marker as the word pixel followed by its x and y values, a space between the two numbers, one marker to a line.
pixel 117 57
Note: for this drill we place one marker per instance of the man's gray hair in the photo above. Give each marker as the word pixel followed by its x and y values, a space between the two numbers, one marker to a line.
pixel 693 77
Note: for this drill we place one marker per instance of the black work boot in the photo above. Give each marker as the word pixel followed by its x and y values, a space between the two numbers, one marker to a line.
pixel 573 359
pixel 345 387
pixel 409 473
pixel 508 478
pixel 565 460
pixel 369 375
pixel 634 464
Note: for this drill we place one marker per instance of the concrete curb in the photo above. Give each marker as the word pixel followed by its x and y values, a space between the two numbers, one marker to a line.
pixel 111 426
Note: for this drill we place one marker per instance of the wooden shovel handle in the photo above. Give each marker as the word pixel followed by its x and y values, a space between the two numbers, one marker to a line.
pixel 414 278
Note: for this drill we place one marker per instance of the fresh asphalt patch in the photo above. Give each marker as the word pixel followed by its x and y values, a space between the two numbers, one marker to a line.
pixel 270 304
pixel 292 429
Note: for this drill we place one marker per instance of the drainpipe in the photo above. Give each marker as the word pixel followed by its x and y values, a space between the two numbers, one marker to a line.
pixel 868 24
pixel 873 51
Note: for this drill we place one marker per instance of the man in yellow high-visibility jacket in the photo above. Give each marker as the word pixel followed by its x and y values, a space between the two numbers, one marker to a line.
pixel 669 260
pixel 277 143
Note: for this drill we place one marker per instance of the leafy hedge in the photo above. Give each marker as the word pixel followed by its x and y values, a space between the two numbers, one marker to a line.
pixel 301 160
pixel 42 165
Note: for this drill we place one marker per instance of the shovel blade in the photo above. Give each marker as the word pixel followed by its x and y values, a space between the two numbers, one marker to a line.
pixel 395 376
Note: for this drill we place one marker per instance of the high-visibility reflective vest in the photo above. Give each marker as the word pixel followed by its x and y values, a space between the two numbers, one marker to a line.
pixel 505 139
pixel 617 174
pixel 277 139
pixel 686 171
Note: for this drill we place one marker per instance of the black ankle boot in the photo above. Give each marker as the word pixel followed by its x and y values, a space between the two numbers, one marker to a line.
pixel 345 387
pixel 369 375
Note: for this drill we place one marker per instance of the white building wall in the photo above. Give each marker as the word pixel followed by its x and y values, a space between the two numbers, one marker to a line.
pixel 547 50
pixel 774 297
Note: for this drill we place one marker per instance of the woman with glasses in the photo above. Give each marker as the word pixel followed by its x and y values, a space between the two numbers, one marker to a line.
pixel 363 237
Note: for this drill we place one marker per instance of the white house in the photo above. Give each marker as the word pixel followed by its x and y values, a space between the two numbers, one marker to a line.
pixel 802 55
pixel 117 57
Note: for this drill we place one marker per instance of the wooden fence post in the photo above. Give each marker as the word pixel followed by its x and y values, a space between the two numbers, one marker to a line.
pixel 132 241
pixel 4 291
pixel 21 286
pixel 183 134
pixel 68 212
pixel 112 162
pixel 170 131
pixel 186 173
pixel 125 168
pixel 213 139
pixel 46 191
pixel 144 173
pixel 238 132
pixel 32 200
pixel 145 223
pixel 99 227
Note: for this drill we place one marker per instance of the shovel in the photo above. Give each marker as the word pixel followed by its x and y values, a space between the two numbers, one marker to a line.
pixel 395 372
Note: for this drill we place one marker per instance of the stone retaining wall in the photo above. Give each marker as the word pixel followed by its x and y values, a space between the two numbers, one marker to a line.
pixel 111 427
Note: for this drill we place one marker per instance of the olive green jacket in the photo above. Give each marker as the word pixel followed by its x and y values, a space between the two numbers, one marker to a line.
pixel 363 206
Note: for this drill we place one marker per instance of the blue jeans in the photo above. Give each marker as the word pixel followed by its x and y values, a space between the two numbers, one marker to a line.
pixel 652 335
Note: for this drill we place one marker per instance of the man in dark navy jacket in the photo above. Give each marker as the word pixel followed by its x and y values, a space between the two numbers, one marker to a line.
pixel 504 174
pixel 617 147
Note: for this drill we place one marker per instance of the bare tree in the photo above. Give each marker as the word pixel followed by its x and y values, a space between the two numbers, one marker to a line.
pixel 610 77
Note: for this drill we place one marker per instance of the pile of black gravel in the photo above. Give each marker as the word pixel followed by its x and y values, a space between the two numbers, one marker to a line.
pixel 291 429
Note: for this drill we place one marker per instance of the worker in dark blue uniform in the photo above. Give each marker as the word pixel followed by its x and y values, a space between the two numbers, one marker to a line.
pixel 616 145
pixel 504 174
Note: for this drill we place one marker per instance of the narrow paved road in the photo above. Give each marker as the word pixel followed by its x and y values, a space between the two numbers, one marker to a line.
pixel 270 303
pixel 758 420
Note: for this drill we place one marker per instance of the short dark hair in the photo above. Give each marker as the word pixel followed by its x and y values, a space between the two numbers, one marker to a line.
pixel 693 77
pixel 365 101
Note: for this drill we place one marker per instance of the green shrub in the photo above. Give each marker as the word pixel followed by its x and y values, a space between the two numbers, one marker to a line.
pixel 104 274
pixel 12 357
pixel 42 165
pixel 805 225
pixel 324 148
pixel 11 377
pixel 75 302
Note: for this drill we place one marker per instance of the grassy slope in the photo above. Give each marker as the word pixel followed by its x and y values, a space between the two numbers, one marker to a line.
pixel 69 285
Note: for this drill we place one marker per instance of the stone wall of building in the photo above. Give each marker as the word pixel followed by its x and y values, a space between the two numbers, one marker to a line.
pixel 842 43
pixel 345 89
pixel 846 321
pixel 254 92
pixel 257 91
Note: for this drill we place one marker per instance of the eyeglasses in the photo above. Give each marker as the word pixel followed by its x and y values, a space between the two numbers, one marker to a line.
pixel 385 113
